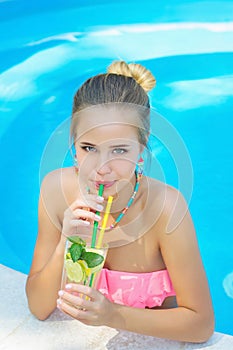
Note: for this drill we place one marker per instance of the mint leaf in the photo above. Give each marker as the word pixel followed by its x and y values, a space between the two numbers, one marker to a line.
pixel 92 259
pixel 77 239
pixel 75 251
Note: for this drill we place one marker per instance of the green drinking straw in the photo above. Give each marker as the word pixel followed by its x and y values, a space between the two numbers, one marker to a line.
pixel 94 233
pixel 95 228
pixel 91 280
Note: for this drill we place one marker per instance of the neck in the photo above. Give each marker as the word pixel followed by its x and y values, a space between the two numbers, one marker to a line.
pixel 121 198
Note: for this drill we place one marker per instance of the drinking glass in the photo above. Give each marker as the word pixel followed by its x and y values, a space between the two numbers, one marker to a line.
pixel 82 263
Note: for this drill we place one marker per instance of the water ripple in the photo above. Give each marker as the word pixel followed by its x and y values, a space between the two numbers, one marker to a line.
pixel 228 285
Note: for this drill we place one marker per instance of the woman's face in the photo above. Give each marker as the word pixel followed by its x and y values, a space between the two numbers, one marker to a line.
pixel 107 149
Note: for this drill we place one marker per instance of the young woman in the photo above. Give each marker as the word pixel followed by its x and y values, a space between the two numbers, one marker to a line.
pixel 153 281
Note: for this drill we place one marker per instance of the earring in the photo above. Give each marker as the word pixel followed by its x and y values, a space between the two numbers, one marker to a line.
pixel 140 165
pixel 75 161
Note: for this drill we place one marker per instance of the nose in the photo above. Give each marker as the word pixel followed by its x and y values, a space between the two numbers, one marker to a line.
pixel 103 166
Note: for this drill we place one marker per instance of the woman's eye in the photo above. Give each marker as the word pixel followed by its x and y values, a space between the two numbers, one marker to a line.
pixel 89 149
pixel 119 150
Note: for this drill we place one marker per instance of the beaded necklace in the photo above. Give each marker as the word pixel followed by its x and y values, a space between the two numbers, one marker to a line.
pixel 138 175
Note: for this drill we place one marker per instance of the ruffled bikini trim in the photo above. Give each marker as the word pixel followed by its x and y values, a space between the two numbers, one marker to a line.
pixel 136 289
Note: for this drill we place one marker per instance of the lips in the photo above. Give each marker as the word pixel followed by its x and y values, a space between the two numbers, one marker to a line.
pixel 106 184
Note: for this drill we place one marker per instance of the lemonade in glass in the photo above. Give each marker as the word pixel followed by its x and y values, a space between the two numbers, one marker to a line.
pixel 82 263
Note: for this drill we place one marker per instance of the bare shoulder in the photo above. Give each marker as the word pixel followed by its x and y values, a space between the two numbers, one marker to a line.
pixel 170 201
pixel 176 236
pixel 58 183
pixel 57 178
pixel 56 190
pixel 160 188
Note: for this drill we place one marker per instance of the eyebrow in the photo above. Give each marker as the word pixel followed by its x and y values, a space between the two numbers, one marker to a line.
pixel 86 144
pixel 93 145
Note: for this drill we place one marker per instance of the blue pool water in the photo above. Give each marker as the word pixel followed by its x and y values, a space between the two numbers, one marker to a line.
pixel 49 48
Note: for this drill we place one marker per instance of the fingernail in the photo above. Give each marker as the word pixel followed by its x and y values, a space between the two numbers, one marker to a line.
pixel 100 199
pixel 99 207
pixel 68 286
pixel 61 293
pixel 97 218
pixel 85 222
pixel 59 302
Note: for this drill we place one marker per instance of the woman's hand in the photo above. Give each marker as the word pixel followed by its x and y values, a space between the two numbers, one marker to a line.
pixel 85 304
pixel 79 215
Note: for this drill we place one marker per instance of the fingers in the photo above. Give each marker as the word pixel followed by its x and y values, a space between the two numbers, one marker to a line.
pixel 76 289
pixel 78 211
pixel 81 217
pixel 85 214
pixel 79 314
pixel 93 202
pixel 86 304
pixel 78 214
pixel 80 301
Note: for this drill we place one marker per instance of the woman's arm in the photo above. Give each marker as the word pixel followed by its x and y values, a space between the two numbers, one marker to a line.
pixel 192 320
pixel 45 274
pixel 44 279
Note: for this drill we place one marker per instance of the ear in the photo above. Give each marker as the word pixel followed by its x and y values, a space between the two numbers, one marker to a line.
pixel 141 148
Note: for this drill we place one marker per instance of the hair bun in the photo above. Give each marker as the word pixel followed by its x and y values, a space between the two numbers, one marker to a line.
pixel 141 74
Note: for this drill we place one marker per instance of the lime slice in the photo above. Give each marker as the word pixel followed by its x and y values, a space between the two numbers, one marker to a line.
pixel 85 267
pixel 74 271
pixel 87 270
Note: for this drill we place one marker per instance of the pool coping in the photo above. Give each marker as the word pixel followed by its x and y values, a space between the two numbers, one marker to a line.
pixel 21 330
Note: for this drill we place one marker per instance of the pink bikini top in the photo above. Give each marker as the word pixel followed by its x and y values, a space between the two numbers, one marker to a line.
pixel 136 289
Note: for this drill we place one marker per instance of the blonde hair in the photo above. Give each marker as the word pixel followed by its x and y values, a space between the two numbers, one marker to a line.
pixel 141 74
pixel 123 83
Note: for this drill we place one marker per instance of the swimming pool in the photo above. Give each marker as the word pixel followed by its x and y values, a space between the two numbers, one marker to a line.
pixel 48 49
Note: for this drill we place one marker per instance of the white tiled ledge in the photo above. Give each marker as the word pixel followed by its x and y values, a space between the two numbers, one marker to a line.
pixel 19 330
